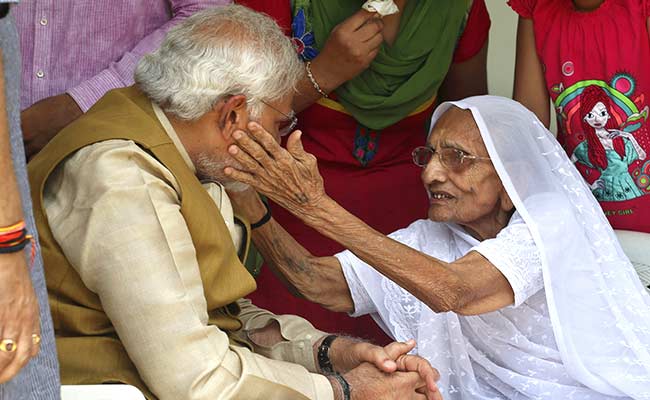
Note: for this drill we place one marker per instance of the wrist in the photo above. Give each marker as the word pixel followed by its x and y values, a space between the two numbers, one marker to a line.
pixel 262 220
pixel 323 354
pixel 320 213
pixel 336 387
pixel 340 387
pixel 248 204
pixel 328 82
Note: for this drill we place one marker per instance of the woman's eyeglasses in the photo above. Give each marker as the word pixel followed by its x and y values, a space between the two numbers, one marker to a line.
pixel 287 126
pixel 453 159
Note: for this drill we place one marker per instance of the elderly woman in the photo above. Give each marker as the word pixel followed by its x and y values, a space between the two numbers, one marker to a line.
pixel 378 80
pixel 514 287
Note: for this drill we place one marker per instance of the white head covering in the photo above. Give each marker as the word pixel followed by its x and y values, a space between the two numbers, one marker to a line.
pixel 598 308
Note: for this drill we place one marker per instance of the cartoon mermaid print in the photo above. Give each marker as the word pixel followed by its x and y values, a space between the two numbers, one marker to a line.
pixel 606 148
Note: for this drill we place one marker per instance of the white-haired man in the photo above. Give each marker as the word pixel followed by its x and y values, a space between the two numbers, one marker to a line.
pixel 144 253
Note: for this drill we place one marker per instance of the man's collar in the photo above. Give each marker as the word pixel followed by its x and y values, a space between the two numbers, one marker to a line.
pixel 169 129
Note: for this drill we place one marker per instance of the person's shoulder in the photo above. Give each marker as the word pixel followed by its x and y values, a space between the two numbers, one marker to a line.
pixel 538 9
pixel 112 161
pixel 422 232
pixel 115 150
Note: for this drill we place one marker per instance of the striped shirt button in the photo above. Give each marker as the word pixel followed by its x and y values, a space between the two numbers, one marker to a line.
pixel 40 74
pixel 43 21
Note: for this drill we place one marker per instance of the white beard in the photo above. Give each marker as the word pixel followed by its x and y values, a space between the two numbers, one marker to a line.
pixel 208 168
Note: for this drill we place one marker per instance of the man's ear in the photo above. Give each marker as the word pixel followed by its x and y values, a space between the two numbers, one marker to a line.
pixel 233 115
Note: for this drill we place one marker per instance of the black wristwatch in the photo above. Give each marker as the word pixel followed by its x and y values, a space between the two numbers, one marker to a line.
pixel 324 355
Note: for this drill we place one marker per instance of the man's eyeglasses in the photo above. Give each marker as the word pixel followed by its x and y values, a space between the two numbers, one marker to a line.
pixel 453 159
pixel 287 126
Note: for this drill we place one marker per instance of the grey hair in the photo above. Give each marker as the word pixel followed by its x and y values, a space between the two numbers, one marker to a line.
pixel 218 53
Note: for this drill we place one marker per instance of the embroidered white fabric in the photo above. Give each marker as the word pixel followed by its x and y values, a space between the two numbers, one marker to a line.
pixel 585 335
pixel 520 262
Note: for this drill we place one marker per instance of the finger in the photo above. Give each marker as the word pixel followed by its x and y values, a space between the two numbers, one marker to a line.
pixel 246 162
pixel 10 331
pixel 356 20
pixel 244 177
pixel 373 53
pixel 414 380
pixel 280 167
pixel 36 340
pixel 397 349
pixel 265 139
pixel 417 364
pixel 370 28
pixel 419 396
pixel 23 343
pixel 374 43
pixel 295 148
pixel 5 360
pixel 420 365
pixel 247 143
pixel 378 356
pixel 437 395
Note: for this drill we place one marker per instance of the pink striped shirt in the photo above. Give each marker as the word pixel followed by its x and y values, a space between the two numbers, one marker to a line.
pixel 85 48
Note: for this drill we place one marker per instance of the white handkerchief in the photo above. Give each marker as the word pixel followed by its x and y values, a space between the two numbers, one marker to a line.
pixel 381 7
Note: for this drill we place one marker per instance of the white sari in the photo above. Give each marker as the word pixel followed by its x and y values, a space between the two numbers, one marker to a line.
pixel 580 325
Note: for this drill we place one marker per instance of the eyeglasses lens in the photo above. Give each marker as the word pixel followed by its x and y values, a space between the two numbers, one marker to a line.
pixel 288 126
pixel 452 159
pixel 449 157
pixel 422 155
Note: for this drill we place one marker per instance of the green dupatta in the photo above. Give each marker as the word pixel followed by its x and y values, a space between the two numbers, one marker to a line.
pixel 403 76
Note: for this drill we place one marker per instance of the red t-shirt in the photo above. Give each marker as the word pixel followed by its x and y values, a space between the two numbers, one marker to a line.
pixel 597 70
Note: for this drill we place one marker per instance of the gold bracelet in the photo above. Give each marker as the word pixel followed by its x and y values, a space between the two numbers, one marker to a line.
pixel 313 80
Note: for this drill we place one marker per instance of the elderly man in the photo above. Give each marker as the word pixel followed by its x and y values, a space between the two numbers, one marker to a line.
pixel 144 265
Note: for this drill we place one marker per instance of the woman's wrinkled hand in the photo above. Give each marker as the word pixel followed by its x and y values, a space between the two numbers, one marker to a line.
pixel 288 176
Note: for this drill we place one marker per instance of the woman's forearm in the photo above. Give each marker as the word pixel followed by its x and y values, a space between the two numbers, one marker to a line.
pixel 432 281
pixel 318 279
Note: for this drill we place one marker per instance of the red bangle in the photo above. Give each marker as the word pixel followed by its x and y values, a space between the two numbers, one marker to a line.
pixel 15 238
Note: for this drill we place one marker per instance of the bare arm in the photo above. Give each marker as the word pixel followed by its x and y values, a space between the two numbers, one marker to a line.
pixel 318 279
pixel 470 285
pixel 19 312
pixel 465 79
pixel 530 85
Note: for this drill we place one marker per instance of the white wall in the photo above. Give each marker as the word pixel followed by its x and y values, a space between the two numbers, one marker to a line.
pixel 501 55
